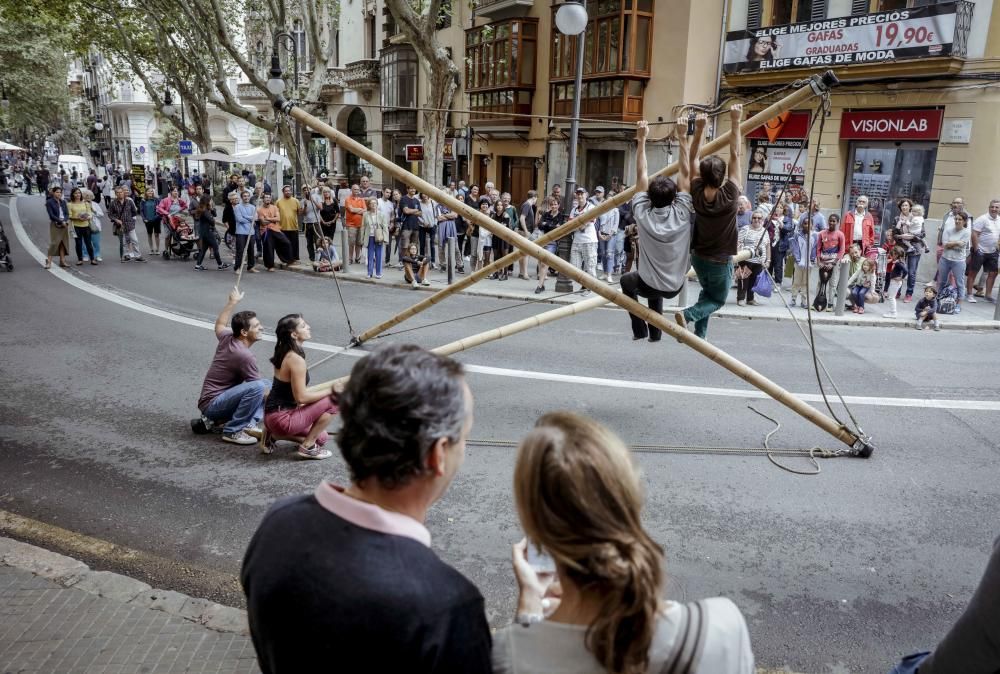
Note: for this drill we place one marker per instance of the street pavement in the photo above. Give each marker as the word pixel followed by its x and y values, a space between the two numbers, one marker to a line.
pixel 840 572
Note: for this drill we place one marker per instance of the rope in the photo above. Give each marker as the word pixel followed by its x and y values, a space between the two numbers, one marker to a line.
pixel 482 313
pixel 812 453
pixel 318 237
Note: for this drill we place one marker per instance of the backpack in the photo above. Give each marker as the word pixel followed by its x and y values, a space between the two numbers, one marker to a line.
pixel 947 299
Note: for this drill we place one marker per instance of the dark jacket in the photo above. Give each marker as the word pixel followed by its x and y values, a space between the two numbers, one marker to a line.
pixel 52 208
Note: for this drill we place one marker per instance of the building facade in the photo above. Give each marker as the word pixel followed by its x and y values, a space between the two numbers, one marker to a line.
pixel 916 114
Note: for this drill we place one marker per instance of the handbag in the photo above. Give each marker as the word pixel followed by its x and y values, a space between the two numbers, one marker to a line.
pixel 763 285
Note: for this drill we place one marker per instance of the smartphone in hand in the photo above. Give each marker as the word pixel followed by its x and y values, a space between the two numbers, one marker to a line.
pixel 540 561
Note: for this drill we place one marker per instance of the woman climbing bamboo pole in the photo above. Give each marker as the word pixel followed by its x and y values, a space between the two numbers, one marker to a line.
pixel 816 85
pixel 861 446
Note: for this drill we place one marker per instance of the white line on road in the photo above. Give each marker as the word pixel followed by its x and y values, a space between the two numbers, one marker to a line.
pixel 116 298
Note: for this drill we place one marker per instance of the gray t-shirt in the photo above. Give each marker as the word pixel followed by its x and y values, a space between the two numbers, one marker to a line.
pixel 951 233
pixel 664 241
pixel 558 648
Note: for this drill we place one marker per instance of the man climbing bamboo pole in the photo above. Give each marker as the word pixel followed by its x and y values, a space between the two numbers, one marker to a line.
pixel 815 86
pixel 860 445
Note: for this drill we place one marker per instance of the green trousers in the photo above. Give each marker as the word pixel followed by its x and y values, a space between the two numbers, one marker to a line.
pixel 715 280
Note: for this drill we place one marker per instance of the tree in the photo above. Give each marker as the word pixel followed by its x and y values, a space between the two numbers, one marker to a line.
pixel 34 76
pixel 418 20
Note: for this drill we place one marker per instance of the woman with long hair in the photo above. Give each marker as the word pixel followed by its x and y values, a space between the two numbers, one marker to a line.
pixel 292 411
pixel 205 226
pixel 80 216
pixel 579 500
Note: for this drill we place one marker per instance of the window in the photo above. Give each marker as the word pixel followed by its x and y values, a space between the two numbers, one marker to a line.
pixel 501 55
pixel 601 99
pixel 370 40
pixel 889 5
pixel 399 78
pixel 763 13
pixel 618 40
pixel 301 45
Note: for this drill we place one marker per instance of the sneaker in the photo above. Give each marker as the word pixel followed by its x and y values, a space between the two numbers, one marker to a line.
pixel 201 425
pixel 971 298
pixel 908 298
pixel 425 283
pixel 415 285
pixel 752 303
pixel 140 259
pixel 937 327
pixel 919 325
pixel 792 303
pixel 889 315
pixel 239 438
pixel 958 308
pixel 314 452
pixel 199 267
pixel 539 289
pixel 611 279
pixel 223 266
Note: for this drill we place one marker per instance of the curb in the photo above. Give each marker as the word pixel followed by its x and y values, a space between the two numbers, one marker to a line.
pixel 72 573
pixel 818 319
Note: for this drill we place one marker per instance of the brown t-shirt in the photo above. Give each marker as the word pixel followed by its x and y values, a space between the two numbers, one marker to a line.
pixel 232 365
pixel 715 228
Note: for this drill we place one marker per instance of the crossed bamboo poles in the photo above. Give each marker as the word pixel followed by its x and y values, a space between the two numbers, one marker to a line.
pixel 816 85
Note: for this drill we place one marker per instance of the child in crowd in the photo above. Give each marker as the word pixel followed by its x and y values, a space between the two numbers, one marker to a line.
pixel 415 267
pixel 896 278
pixel 918 225
pixel 861 283
pixel 802 245
pixel 326 256
pixel 926 309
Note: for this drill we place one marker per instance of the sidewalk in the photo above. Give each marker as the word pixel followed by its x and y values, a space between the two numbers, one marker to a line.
pixel 978 316
pixel 58 616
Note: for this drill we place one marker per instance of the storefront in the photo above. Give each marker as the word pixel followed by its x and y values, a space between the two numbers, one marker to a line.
pixel 891 155
pixel 778 152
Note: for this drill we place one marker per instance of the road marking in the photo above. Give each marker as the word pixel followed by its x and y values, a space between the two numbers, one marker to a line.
pixel 116 298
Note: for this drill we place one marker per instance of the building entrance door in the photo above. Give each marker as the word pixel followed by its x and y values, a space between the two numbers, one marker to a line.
pixel 517 177
pixel 887 172
pixel 602 167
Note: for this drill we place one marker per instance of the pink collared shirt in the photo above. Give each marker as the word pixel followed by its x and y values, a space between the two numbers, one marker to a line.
pixel 370 516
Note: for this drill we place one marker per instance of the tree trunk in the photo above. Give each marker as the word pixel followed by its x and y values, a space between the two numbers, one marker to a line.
pixel 287 132
pixel 441 91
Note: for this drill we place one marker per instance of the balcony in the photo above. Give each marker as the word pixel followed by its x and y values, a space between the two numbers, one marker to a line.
pixel 503 9
pixel 362 75
pixel 904 48
pixel 248 92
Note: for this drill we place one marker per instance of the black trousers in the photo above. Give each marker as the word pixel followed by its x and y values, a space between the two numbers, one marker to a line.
pixel 634 287
pixel 276 242
pixel 744 286
pixel 209 241
pixel 428 243
pixel 83 239
pixel 241 243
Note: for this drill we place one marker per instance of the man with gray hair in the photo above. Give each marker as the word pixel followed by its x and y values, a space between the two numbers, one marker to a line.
pixel 346 575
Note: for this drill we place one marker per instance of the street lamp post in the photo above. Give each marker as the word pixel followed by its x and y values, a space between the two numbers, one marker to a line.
pixel 571 19
pixel 276 85
pixel 169 110
pixel 4 103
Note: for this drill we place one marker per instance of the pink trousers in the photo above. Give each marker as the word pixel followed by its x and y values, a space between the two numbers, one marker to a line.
pixel 300 420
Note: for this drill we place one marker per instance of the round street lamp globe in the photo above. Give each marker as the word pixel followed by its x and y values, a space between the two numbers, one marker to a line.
pixel 276 86
pixel 99 125
pixel 571 18
pixel 169 110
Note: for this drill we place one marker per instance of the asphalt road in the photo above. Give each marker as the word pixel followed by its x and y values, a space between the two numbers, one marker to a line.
pixel 844 571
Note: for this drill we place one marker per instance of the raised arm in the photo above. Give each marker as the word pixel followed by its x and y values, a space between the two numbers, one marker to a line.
pixel 684 154
pixel 736 146
pixel 222 322
pixel 641 174
pixel 695 149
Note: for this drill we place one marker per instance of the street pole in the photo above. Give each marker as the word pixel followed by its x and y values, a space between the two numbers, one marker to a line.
pixel 184 135
pixel 563 283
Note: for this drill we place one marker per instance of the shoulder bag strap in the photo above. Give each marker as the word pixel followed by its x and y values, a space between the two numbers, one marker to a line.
pixel 690 640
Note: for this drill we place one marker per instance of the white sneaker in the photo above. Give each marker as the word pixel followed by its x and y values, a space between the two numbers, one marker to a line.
pixel 889 315
pixel 415 285
pixel 611 279
pixel 971 298
pixel 239 438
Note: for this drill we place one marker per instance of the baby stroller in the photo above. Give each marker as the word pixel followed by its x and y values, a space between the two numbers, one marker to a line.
pixel 5 260
pixel 180 238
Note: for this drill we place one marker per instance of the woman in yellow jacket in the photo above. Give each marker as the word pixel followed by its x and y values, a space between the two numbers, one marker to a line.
pixel 81 214
pixel 374 230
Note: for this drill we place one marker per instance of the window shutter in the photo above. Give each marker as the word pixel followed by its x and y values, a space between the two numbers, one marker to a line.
pixel 754 10
pixel 817 11
pixel 859 7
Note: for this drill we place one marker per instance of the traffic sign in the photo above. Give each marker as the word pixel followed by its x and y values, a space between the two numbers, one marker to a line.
pixel 414 153
pixel 186 147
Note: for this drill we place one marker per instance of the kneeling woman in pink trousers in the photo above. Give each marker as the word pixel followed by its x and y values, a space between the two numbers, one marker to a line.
pixel 291 410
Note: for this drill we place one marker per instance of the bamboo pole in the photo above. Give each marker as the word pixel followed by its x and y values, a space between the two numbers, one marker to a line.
pixel 493 335
pixel 816 85
pixel 861 446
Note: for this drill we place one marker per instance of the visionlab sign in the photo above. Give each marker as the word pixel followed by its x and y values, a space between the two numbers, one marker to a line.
pixel 922 124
